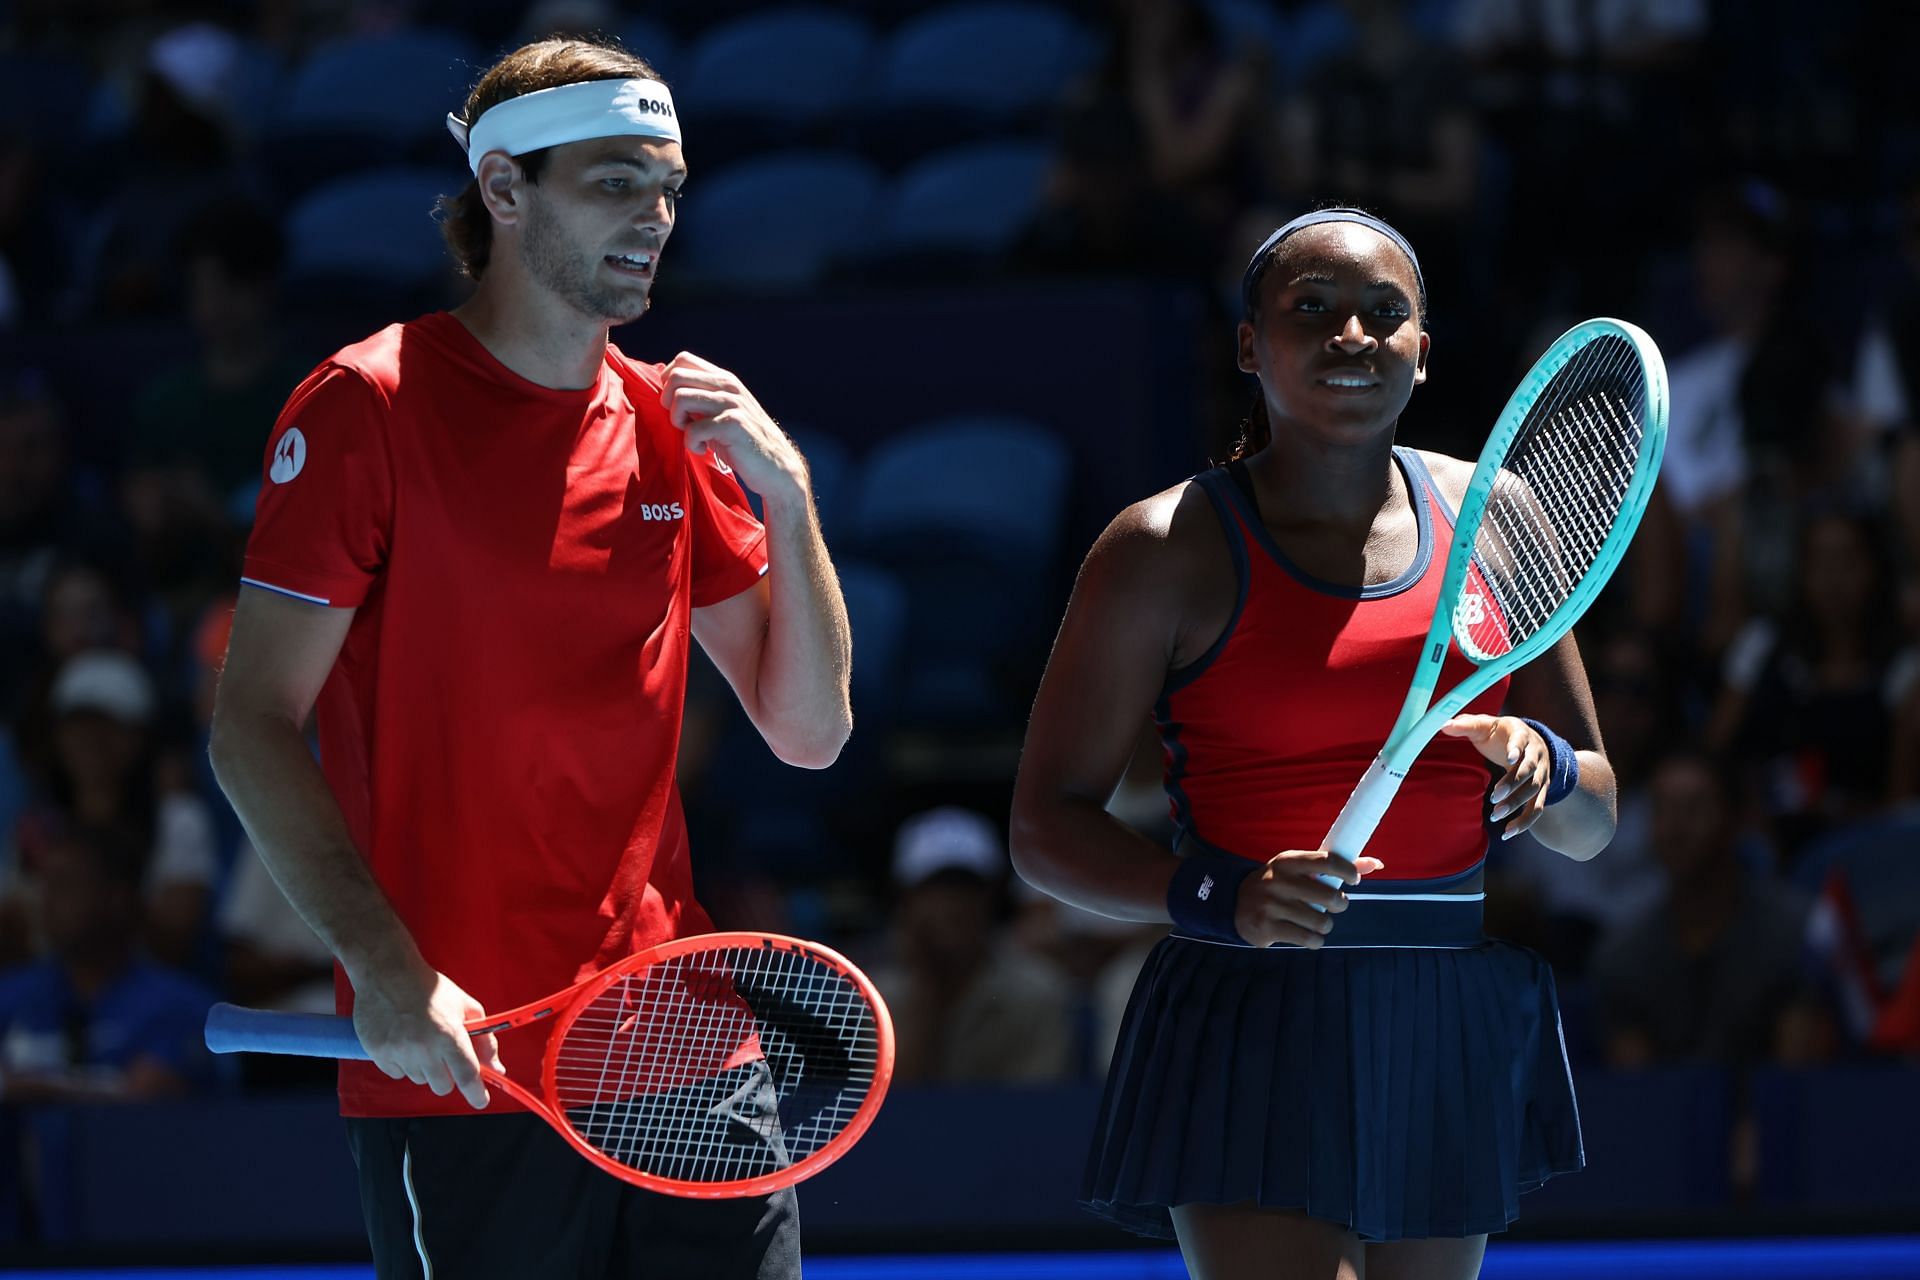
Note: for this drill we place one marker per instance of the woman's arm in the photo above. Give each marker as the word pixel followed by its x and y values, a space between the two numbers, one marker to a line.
pixel 1132 617
pixel 1553 690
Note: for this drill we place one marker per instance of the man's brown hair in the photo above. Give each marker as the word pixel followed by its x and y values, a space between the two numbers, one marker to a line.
pixel 465 223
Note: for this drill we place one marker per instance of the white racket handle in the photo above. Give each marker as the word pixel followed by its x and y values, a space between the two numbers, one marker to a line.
pixel 1363 811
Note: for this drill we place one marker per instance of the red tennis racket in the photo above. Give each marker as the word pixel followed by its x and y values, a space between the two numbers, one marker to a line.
pixel 727 1064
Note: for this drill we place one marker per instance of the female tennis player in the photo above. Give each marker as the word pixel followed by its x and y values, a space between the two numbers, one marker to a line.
pixel 1326 1069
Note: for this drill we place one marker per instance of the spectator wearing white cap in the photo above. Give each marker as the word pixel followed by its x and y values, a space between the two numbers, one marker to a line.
pixel 968 1006
pixel 103 772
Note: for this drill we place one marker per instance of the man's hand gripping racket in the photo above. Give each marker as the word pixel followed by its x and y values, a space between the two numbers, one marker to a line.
pixel 728 1064
pixel 1559 489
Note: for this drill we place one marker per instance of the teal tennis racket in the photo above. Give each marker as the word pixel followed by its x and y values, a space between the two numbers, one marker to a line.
pixel 1559 489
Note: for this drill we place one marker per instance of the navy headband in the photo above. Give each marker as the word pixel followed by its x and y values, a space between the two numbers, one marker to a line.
pixel 1249 280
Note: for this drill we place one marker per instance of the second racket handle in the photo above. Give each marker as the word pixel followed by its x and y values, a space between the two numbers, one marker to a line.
pixel 1363 811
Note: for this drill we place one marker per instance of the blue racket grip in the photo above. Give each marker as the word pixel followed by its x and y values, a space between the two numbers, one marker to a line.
pixel 231 1029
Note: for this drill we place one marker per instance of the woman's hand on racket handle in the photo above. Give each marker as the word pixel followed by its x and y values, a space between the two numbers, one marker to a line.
pixel 1287 901
pixel 415 1029
pixel 1521 792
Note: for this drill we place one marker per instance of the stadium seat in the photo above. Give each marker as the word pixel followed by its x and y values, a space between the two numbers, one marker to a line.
pixel 832 469
pixel 782 70
pixel 370 233
pixel 992 484
pixel 997 59
pixel 801 820
pixel 877 612
pixel 400 85
pixel 973 199
pixel 969 513
pixel 654 42
pixel 776 223
pixel 357 103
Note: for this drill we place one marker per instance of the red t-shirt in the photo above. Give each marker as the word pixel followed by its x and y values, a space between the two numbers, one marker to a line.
pixel 500 728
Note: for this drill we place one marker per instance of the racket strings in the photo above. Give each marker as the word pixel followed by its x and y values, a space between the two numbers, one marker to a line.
pixel 1565 478
pixel 718 1065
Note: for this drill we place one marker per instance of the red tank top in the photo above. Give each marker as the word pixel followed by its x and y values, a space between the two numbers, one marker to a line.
pixel 1268 731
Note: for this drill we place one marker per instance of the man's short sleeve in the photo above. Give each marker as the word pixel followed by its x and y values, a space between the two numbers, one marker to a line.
pixel 324 518
pixel 729 542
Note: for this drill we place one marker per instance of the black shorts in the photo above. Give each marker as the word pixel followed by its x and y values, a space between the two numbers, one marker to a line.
pixel 470 1197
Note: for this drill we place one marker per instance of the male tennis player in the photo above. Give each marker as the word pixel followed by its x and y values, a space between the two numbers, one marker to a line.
pixel 483 541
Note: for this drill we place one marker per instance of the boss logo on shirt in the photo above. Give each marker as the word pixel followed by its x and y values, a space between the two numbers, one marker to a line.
pixel 661 511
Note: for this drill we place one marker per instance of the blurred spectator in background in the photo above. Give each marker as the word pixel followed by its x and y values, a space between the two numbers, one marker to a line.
pixel 1885 390
pixel 1750 431
pixel 1713 971
pixel 1387 125
pixel 1807 697
pixel 199 427
pixel 1157 149
pixel 93 1021
pixel 83 608
pixel 104 771
pixel 1571 90
pixel 967 1006
pixel 1199 96
pixel 1864 933
pixel 1580 902
pixel 43 516
pixel 177 156
pixel 34 247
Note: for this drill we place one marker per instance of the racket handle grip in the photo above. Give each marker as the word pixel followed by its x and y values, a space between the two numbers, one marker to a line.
pixel 1364 809
pixel 231 1029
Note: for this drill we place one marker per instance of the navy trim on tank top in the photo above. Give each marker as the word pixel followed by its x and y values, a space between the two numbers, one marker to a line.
pixel 1417 489
pixel 1176 770
pixel 1214 484
pixel 1418 466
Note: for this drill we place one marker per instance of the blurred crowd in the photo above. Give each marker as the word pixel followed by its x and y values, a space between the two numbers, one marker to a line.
pixel 1741 181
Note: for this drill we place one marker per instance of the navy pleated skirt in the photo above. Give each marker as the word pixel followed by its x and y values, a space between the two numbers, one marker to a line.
pixel 1399 1092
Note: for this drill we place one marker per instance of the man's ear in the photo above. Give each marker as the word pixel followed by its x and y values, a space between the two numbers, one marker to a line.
pixel 500 186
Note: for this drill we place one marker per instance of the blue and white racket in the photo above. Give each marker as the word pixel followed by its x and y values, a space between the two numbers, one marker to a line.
pixel 1560 487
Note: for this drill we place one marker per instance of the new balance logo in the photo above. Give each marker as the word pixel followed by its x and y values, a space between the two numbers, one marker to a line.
pixel 661 511
pixel 1206 888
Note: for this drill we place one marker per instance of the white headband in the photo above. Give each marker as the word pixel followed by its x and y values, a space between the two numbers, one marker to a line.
pixel 570 113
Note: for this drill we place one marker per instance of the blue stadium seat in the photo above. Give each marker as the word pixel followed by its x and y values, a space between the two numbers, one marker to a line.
pixel 832 467
pixel 359 103
pixel 373 230
pixel 877 612
pixel 654 42
pixel 784 67
pixel 969 513
pixel 998 58
pixel 801 821
pixel 776 223
pixel 972 199
pixel 994 484
pixel 400 85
